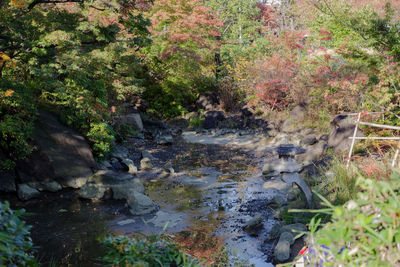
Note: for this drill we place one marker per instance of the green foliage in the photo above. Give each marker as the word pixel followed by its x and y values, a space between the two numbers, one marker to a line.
pixel 16 248
pixel 195 122
pixel 151 250
pixel 17 113
pixel 364 231
pixel 338 184
pixel 76 58
pixel 102 137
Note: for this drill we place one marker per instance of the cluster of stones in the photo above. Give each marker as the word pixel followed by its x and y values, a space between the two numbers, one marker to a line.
pixel 107 183
pixel 286 170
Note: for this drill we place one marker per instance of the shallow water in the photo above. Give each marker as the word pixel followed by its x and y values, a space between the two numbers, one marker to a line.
pixel 215 192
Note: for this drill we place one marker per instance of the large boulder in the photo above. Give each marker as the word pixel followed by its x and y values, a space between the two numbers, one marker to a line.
pixel 37 167
pixel 140 204
pixel 213 118
pixel 7 181
pixel 207 102
pixel 342 127
pixel 121 185
pixel 51 186
pixel 133 120
pixel 69 159
pixel 25 192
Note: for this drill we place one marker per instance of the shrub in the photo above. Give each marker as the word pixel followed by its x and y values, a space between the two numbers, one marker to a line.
pixel 16 248
pixel 17 113
pixel 363 232
pixel 142 250
pixel 101 135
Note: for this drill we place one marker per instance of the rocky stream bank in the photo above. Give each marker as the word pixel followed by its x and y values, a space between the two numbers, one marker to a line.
pixel 235 182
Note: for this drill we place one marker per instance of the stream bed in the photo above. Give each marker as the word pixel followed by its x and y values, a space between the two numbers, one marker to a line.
pixel 215 191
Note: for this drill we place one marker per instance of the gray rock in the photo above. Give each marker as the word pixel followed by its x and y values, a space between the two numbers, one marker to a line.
pixel 120 153
pixel 128 163
pixel 287 166
pixel 308 140
pixel 278 185
pixel 168 168
pixel 313 153
pixel 25 192
pixel 278 200
pixel 104 165
pixel 125 222
pixel 213 118
pixel 121 185
pixel 295 228
pixel 123 190
pixel 268 168
pixel 289 150
pixel 324 137
pixel 254 225
pixel 282 251
pixel 145 164
pixel 342 127
pixel 133 120
pixel 274 232
pixel 306 131
pixel 140 204
pixel 147 154
pixel 297 113
pixel 162 218
pixel 295 178
pixel 207 101
pixel 288 236
pixel 164 139
pixel 67 152
pixel 52 186
pixel 288 127
pixel 92 191
pixel 7 181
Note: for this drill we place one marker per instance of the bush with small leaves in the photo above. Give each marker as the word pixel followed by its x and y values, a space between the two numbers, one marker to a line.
pixel 16 247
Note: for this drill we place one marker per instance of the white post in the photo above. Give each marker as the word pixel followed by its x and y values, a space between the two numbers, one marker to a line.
pixel 353 141
pixel 396 155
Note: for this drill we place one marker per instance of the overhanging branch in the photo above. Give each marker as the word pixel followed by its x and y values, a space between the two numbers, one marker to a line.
pixel 36 2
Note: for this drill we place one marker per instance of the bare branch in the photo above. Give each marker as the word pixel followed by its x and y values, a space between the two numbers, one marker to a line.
pixel 36 2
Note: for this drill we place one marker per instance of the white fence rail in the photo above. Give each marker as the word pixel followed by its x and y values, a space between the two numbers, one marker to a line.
pixel 359 122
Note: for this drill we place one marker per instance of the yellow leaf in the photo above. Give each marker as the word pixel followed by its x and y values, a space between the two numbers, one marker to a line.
pixel 9 92
pixel 18 3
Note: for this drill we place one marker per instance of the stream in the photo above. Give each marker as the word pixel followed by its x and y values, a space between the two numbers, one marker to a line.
pixel 216 190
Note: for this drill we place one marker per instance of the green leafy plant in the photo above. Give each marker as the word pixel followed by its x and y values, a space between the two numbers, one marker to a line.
pixel 16 247
pixel 102 137
pixel 362 232
pixel 17 113
pixel 145 250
